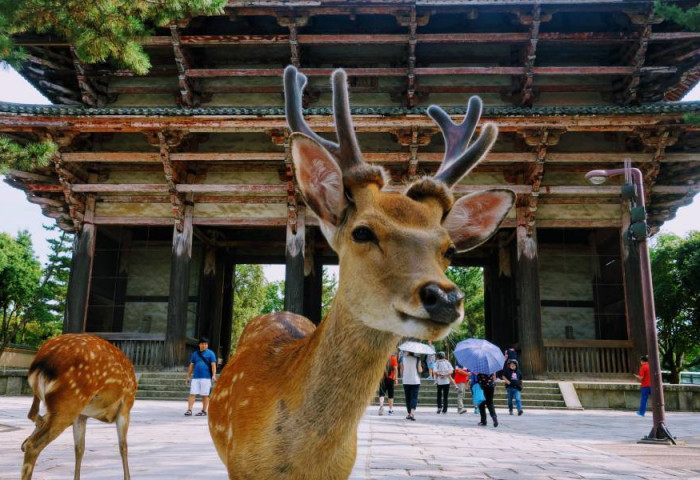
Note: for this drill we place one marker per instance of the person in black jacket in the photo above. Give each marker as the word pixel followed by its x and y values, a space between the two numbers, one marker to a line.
pixel 514 385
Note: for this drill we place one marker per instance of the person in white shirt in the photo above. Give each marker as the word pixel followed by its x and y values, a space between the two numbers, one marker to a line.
pixel 443 377
pixel 411 369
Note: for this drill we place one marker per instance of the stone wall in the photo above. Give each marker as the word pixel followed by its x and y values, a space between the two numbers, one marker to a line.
pixel 17 357
pixel 625 396
pixel 14 383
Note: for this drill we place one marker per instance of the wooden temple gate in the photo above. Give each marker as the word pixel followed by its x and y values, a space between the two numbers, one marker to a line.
pixel 170 179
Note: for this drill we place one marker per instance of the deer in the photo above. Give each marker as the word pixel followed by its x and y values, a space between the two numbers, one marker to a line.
pixel 77 376
pixel 288 404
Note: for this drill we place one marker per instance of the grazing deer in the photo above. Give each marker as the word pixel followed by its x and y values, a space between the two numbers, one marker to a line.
pixel 78 376
pixel 288 404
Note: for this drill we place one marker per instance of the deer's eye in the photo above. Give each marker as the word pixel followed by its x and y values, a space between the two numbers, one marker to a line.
pixel 364 235
pixel 450 252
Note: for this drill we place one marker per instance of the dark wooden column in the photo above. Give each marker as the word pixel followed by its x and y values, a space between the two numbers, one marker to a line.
pixel 634 300
pixel 532 358
pixel 294 273
pixel 205 302
pixel 217 306
pixel 499 301
pixel 122 280
pixel 176 329
pixel 227 312
pixel 313 292
pixel 81 272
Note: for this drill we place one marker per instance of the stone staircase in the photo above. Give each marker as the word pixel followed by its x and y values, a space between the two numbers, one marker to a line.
pixel 536 394
pixel 162 386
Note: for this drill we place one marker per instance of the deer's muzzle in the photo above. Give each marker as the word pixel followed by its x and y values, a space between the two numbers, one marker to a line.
pixel 443 306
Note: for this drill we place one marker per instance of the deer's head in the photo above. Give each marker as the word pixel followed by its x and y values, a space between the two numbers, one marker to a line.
pixel 394 247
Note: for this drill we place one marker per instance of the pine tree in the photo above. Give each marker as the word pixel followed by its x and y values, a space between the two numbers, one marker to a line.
pixel 100 30
pixel 14 156
pixel 687 18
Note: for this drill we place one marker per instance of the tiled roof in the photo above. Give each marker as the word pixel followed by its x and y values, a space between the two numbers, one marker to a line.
pixel 493 111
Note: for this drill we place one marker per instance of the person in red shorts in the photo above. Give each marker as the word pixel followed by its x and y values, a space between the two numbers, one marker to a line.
pixel 386 385
pixel 645 378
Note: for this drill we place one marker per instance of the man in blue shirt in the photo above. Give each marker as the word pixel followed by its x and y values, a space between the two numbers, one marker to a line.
pixel 200 375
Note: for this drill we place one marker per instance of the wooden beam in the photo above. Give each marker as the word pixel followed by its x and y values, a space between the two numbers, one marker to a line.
pixel 400 72
pixel 375 157
pixel 89 96
pixel 363 123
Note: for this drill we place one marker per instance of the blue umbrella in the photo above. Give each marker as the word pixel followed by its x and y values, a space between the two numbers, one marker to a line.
pixel 479 356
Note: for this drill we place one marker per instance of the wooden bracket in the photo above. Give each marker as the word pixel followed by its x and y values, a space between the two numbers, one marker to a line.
pixel 530 54
pixel 89 95
pixel 182 61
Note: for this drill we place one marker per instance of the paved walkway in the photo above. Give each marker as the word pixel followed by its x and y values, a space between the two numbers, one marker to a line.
pixel 163 444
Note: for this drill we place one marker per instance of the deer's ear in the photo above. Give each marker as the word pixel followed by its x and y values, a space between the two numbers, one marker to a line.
pixel 320 180
pixel 474 218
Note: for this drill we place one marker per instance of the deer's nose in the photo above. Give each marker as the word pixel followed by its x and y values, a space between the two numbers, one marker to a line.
pixel 442 305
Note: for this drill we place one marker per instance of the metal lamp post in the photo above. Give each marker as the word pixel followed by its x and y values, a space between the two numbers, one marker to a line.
pixel 634 190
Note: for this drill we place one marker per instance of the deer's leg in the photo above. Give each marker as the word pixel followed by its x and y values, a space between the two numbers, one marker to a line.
pixel 44 434
pixel 122 429
pixel 34 411
pixel 79 440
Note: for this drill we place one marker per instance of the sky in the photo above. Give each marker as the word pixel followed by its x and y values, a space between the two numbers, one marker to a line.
pixel 18 214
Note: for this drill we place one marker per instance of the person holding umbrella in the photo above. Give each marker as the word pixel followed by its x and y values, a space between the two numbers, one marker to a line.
pixel 484 358
pixel 411 369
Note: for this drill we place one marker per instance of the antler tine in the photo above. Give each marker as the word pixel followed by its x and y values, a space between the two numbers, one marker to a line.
pixel 294 83
pixel 459 159
pixel 350 154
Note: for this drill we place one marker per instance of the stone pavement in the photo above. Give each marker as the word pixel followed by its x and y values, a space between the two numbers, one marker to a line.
pixel 163 444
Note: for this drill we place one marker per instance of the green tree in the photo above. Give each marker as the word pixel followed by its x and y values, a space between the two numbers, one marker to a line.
pixel 24 157
pixel 470 281
pixel 20 274
pixel 248 298
pixel 274 297
pixel 328 289
pixel 675 263
pixel 687 18
pixel 45 313
pixel 100 31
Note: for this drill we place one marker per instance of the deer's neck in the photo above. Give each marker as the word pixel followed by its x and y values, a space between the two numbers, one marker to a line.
pixel 346 361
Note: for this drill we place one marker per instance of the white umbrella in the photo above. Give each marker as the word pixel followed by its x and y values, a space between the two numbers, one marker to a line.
pixel 417 347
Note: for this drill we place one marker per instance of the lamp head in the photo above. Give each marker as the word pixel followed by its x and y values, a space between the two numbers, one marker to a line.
pixel 597 177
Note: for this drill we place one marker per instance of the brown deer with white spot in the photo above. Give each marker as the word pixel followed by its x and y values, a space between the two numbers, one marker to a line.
pixel 288 404
pixel 77 376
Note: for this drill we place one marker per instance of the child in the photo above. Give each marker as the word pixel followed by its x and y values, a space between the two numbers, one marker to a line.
pixel 514 385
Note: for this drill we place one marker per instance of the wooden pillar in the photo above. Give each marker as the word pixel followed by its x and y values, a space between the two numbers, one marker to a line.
pixel 634 300
pixel 81 272
pixel 227 312
pixel 217 306
pixel 205 302
pixel 313 292
pixel 176 330
pixel 499 301
pixel 294 273
pixel 122 280
pixel 532 358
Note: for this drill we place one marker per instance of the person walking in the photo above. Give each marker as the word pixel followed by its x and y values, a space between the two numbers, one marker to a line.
pixel 386 385
pixel 411 369
pixel 460 380
pixel 487 383
pixel 514 386
pixel 443 377
pixel 200 376
pixel 645 384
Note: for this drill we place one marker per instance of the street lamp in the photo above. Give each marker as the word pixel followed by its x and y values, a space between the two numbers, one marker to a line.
pixel 637 232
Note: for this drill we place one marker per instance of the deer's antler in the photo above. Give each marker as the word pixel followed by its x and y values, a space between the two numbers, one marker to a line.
pixel 346 151
pixel 459 159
